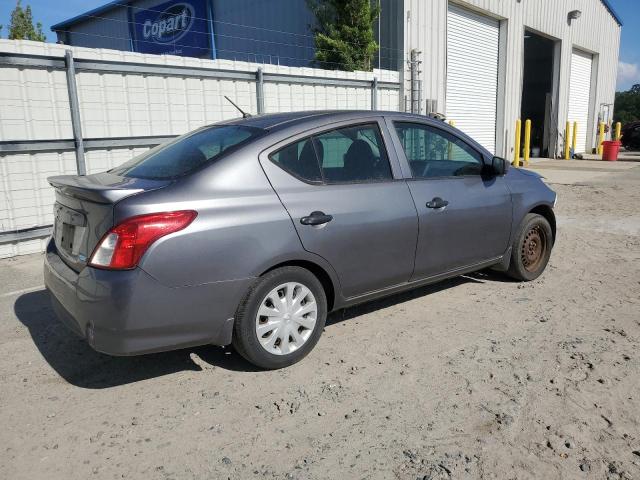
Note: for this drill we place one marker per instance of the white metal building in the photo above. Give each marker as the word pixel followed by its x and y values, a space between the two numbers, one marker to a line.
pixel 484 63
pixel 487 63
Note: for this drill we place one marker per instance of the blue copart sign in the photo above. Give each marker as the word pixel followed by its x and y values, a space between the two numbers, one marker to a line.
pixel 175 28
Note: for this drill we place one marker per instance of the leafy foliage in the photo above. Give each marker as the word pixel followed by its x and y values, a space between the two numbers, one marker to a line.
pixel 21 27
pixel 627 106
pixel 344 36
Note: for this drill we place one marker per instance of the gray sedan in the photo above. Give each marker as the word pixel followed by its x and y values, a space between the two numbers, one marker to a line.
pixel 250 231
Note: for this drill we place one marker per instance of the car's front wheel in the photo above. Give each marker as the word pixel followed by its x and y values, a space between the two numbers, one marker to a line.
pixel 281 318
pixel 531 248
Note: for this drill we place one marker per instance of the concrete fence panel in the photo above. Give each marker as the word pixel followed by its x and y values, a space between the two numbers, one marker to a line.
pixel 129 102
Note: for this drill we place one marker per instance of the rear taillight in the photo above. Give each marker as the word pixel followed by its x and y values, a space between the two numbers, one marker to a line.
pixel 123 246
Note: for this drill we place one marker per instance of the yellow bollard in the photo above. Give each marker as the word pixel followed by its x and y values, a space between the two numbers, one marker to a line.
pixel 567 130
pixel 527 141
pixel 600 137
pixel 574 137
pixel 516 155
pixel 618 131
pixel 452 123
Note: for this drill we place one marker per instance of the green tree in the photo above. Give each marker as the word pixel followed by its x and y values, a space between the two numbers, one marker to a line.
pixel 627 105
pixel 21 27
pixel 344 33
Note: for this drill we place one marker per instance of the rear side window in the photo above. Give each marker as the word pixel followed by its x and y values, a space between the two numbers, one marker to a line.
pixel 187 153
pixel 344 155
pixel 434 153
pixel 300 159
pixel 353 154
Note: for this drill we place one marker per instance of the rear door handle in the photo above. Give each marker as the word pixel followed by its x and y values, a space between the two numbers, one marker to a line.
pixel 316 218
pixel 437 202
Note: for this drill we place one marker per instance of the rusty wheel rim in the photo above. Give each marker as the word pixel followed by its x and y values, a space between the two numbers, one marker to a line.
pixel 534 248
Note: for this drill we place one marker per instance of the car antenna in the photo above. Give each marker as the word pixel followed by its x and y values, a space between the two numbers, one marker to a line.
pixel 244 114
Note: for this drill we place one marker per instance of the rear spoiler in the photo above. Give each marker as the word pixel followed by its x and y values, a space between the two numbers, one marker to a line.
pixel 103 188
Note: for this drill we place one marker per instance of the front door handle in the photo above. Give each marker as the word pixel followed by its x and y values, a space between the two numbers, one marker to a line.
pixel 437 202
pixel 316 218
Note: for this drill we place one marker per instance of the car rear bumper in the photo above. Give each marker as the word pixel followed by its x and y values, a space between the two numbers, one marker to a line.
pixel 129 312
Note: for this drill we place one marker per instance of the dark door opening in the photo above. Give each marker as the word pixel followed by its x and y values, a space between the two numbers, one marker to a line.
pixel 538 104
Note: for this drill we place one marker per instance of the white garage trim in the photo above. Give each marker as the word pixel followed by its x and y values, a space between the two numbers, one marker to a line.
pixel 579 94
pixel 473 44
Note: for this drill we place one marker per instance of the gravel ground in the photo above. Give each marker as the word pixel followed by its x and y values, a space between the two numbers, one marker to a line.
pixel 476 377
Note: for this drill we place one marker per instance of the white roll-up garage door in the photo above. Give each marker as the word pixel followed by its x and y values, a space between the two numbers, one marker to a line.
pixel 579 91
pixel 472 74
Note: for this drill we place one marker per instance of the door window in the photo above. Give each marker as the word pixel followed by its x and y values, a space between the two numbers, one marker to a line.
pixel 300 160
pixel 353 154
pixel 434 153
pixel 344 155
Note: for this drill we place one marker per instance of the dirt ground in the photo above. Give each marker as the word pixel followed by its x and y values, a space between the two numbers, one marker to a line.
pixel 476 377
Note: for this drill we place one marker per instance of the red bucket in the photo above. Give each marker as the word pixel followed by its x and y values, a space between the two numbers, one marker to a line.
pixel 610 150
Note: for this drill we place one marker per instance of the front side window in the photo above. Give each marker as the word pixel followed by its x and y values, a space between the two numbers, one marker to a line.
pixel 345 155
pixel 433 153
pixel 186 153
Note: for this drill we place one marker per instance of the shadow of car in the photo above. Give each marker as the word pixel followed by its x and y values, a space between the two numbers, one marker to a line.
pixel 80 365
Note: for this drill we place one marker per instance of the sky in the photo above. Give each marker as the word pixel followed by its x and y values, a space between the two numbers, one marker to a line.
pixel 50 12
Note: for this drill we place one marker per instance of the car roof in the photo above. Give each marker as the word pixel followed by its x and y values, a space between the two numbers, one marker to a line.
pixel 277 121
pixel 301 121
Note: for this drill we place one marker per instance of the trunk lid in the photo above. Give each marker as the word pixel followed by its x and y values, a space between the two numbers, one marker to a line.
pixel 83 211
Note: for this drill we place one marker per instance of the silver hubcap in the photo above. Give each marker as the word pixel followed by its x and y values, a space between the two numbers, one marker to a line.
pixel 286 318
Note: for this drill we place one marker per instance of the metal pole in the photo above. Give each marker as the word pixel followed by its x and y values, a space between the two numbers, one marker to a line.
pixel 260 90
pixel 374 94
pixel 415 82
pixel 449 144
pixel 379 38
pixel 74 106
pixel 567 132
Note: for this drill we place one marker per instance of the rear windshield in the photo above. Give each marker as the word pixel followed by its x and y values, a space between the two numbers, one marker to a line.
pixel 186 153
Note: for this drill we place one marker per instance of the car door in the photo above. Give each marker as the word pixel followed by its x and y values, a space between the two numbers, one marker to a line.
pixel 464 216
pixel 348 203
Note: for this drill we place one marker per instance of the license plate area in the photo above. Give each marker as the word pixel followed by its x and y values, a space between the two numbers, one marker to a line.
pixel 69 230
pixel 67 237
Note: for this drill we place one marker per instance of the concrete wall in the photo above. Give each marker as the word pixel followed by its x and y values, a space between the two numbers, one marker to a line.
pixel 596 32
pixel 34 105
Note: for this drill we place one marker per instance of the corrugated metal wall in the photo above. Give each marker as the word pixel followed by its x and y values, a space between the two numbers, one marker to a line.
pixel 595 31
pixel 105 30
pixel 277 31
pixel 274 31
pixel 388 31
pixel 34 105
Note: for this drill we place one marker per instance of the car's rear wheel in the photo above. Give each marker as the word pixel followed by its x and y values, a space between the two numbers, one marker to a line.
pixel 531 248
pixel 281 318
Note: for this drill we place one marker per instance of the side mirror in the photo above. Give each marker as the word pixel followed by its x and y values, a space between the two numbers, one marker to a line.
pixel 499 166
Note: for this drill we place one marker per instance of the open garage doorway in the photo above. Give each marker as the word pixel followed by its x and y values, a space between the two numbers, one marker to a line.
pixel 538 93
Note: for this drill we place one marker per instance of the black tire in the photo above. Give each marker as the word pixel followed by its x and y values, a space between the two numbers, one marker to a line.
pixel 245 338
pixel 531 248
